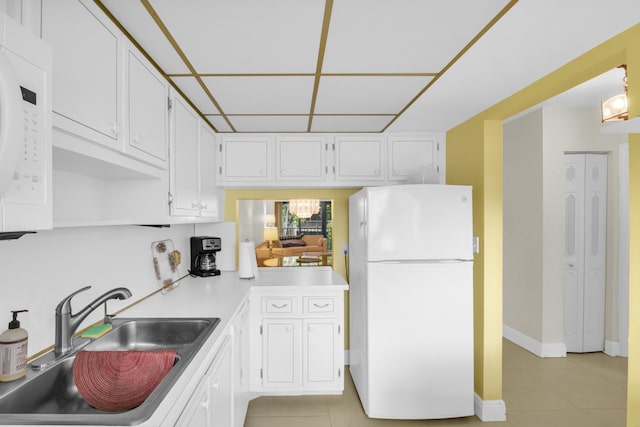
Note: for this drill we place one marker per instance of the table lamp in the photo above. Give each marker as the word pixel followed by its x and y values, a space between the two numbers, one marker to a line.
pixel 270 234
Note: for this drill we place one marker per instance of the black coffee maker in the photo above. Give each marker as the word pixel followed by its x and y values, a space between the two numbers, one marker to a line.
pixel 203 256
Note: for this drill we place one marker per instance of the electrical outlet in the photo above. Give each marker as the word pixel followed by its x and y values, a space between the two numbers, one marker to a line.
pixel 345 248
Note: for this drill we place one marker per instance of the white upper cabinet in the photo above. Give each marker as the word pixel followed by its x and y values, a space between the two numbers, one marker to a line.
pixel 192 173
pixel 184 153
pixel 148 117
pixel 105 92
pixel 359 158
pixel 301 158
pixel 334 160
pixel 246 159
pixel 414 157
pixel 86 82
pixel 211 196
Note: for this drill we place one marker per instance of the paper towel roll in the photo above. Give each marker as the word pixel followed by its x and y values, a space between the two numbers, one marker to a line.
pixel 247 262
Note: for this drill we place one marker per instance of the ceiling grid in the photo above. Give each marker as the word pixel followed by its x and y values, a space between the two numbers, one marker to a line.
pixel 292 66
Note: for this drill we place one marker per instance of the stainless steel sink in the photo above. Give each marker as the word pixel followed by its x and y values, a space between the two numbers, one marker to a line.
pixel 51 397
pixel 151 334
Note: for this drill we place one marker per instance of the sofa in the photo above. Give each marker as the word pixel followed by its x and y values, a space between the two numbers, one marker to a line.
pixel 293 246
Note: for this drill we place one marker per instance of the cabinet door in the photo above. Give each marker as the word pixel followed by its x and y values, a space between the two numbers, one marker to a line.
pixel 148 113
pixel 184 154
pixel 221 389
pixel 321 354
pixel 246 159
pixel 196 412
pixel 281 353
pixel 211 196
pixel 415 158
pixel 359 158
pixel 86 82
pixel 241 342
pixel 300 159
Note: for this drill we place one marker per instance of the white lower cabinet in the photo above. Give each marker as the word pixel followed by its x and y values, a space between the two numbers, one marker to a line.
pixel 298 347
pixel 241 365
pixel 320 343
pixel 280 353
pixel 212 403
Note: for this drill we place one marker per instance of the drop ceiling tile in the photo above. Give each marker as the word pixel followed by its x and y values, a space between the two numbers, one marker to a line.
pixel 350 123
pixel 366 94
pixel 134 17
pixel 249 36
pixel 219 123
pixel 270 123
pixel 192 90
pixel 402 36
pixel 262 95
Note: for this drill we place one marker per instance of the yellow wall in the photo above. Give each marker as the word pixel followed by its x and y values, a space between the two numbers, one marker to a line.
pixel 340 199
pixel 474 156
pixel 633 375
pixel 466 148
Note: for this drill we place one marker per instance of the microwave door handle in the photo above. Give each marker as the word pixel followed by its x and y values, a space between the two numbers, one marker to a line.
pixel 11 121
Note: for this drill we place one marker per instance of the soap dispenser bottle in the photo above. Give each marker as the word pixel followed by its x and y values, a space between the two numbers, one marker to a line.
pixel 13 350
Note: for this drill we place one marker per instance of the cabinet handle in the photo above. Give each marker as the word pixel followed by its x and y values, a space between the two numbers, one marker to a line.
pixel 195 205
pixel 205 404
pixel 396 172
pixel 215 385
pixel 288 329
pixel 376 172
pixel 262 172
pixel 203 206
pixel 283 172
pixel 321 305
pixel 135 138
pixel 279 306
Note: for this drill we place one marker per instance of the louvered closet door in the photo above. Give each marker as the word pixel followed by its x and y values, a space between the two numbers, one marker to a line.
pixel 585 230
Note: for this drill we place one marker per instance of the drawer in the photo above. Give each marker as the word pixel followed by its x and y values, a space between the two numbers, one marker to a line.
pixel 275 305
pixel 313 305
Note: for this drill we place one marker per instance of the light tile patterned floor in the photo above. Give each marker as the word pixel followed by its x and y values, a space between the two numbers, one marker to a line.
pixel 581 390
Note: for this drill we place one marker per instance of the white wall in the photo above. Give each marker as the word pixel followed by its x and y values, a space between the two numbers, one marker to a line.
pixel 522 224
pixel 38 270
pixel 533 266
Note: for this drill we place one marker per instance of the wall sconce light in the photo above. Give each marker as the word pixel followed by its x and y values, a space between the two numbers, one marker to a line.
pixel 617 107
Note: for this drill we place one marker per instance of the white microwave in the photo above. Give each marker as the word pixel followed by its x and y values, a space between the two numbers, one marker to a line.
pixel 25 129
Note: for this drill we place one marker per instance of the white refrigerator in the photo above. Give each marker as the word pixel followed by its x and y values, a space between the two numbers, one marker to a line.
pixel 411 300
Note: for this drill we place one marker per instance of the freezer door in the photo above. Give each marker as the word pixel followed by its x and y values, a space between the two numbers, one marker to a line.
pixel 420 340
pixel 419 222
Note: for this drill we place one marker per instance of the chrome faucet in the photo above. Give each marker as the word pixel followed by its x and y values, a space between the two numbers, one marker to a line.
pixel 67 323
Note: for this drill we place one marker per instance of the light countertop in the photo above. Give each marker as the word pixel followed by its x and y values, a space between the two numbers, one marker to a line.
pixel 222 297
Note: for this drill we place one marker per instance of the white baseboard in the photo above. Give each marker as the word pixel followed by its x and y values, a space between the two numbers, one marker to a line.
pixel 489 410
pixel 539 349
pixel 612 348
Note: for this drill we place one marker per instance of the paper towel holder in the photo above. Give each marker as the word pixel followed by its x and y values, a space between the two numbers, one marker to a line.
pixel 247 262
